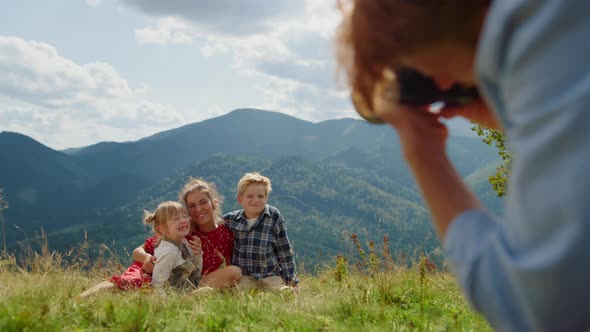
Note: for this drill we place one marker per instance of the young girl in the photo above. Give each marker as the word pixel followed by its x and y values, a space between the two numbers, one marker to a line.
pixel 176 265
pixel 179 263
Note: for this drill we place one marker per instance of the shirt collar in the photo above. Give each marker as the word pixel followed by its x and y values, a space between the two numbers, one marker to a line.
pixel 176 243
pixel 242 215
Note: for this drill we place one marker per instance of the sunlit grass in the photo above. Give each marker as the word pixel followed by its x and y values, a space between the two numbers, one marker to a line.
pixel 40 295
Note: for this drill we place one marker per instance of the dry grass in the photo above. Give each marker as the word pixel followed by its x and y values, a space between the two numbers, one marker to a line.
pixel 38 292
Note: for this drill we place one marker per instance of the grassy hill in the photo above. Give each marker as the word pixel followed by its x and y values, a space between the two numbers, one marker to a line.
pixel 39 294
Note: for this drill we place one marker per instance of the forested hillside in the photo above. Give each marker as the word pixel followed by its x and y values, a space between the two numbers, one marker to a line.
pixel 323 204
pixel 330 179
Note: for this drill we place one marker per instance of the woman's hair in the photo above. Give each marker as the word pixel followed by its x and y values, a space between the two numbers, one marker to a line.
pixel 164 212
pixel 374 35
pixel 254 178
pixel 207 188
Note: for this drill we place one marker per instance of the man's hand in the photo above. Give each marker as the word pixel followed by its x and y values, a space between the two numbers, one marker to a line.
pixel 419 130
pixel 477 112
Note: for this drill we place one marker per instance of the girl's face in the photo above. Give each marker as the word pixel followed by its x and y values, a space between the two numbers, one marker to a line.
pixel 200 209
pixel 253 200
pixel 177 227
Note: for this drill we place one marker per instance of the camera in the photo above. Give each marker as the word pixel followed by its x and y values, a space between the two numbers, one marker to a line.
pixel 410 87
pixel 416 89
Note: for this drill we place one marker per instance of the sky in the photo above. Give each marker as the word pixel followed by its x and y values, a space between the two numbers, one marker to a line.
pixel 78 72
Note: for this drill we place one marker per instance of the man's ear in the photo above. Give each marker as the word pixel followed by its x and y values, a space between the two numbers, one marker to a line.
pixel 239 198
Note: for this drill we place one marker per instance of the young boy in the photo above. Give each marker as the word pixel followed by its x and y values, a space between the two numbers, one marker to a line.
pixel 261 246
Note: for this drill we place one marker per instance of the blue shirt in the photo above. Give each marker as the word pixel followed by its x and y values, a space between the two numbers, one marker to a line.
pixel 262 250
pixel 530 271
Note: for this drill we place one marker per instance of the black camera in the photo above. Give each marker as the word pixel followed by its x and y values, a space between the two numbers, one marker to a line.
pixel 417 89
pixel 410 87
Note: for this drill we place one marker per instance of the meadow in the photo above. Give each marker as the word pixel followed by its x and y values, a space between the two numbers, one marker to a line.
pixel 367 292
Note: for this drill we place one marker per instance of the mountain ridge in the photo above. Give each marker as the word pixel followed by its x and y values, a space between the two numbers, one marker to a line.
pixel 62 191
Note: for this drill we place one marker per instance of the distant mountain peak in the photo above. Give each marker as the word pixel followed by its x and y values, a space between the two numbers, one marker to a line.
pixel 254 112
pixel 13 140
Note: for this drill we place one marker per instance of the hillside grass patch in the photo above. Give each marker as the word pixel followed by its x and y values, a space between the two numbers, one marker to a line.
pixel 41 295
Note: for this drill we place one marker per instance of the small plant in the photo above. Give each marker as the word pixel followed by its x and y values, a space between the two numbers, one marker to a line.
pixel 3 206
pixel 500 180
pixel 360 265
pixel 374 261
pixel 387 258
pixel 341 269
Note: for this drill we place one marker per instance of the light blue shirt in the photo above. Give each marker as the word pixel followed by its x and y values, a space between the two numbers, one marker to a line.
pixel 530 271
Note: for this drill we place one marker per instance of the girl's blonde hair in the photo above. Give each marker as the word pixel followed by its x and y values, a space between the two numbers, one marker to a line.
pixel 207 188
pixel 253 178
pixel 164 212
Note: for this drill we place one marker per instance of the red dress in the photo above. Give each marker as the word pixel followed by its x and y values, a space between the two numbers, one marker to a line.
pixel 135 276
pixel 217 246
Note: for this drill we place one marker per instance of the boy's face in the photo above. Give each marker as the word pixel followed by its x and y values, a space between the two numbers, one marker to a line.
pixel 253 200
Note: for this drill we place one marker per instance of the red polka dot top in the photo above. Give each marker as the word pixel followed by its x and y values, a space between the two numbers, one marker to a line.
pixel 217 246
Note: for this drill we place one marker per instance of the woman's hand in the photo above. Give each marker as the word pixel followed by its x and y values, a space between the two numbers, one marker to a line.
pixel 149 263
pixel 195 244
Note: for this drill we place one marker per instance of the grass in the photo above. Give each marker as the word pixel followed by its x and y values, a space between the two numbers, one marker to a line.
pixel 38 294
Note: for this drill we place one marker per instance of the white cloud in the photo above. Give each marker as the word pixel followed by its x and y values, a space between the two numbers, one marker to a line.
pixel 94 3
pixel 287 43
pixel 227 17
pixel 46 95
pixel 213 47
pixel 305 101
pixel 168 30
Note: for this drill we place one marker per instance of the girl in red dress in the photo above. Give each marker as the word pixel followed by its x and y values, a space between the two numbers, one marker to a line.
pixel 135 276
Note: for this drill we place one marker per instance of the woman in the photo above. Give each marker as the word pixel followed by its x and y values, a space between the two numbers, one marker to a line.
pixel 207 232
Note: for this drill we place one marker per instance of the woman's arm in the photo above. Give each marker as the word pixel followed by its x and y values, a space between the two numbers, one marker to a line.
pixel 140 255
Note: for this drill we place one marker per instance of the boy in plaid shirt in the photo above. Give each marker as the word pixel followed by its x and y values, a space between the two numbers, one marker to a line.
pixel 261 246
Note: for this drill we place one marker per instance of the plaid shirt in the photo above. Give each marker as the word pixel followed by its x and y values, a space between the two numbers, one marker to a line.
pixel 263 250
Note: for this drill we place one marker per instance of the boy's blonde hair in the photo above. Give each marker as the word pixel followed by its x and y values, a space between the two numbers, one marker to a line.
pixel 253 178
pixel 164 212
pixel 207 188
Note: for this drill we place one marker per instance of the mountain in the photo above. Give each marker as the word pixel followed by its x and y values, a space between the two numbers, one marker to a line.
pixel 36 178
pixel 104 186
pixel 322 203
